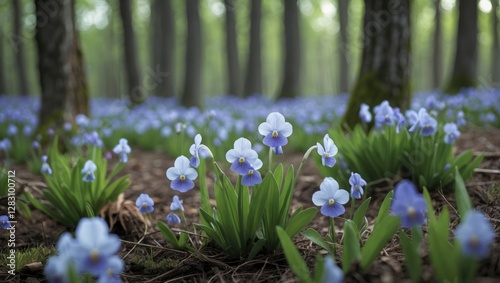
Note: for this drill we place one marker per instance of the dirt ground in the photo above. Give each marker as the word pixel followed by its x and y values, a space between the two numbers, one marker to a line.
pixel 147 175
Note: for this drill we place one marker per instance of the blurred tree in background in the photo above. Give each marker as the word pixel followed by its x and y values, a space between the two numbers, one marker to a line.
pixel 136 91
pixel 162 44
pixel 437 68
pixel 3 87
pixel 464 73
pixel 331 46
pixel 253 79
pixel 495 54
pixel 385 66
pixel 18 45
pixel 63 85
pixel 291 66
pixel 192 79
pixel 233 65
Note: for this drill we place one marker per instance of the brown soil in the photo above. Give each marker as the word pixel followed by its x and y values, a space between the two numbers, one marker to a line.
pixel 147 175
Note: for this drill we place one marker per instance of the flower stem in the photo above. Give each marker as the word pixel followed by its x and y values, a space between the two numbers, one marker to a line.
pixel 333 235
pixel 351 211
pixel 183 219
pixel 270 164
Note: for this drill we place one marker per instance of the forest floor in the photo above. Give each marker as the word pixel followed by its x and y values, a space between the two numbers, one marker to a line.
pixel 147 175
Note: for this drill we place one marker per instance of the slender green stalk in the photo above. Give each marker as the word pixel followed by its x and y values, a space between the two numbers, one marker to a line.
pixel 333 235
pixel 351 211
pixel 270 164
pixel 184 221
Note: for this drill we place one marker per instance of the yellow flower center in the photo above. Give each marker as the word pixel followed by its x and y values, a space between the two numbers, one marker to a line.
pixel 144 205
pixel 250 172
pixel 356 187
pixel 327 155
pixel 242 159
pixel 275 134
pixel 182 178
pixel 412 213
pixel 474 241
pixel 94 256
pixel 331 201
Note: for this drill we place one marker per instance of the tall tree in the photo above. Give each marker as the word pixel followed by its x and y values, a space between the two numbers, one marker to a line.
pixel 3 86
pixel 192 79
pixel 136 91
pixel 61 86
pixel 18 47
pixel 436 48
pixel 291 63
pixel 464 72
pixel 233 65
pixel 162 43
pixel 495 72
pixel 253 80
pixel 385 65
pixel 343 51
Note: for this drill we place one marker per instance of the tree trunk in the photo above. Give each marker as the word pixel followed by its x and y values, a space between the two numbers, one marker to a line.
pixel 58 56
pixel 136 91
pixel 291 65
pixel 253 80
pixel 464 73
pixel 18 47
pixel 495 72
pixel 192 80
pixel 78 95
pixel 343 51
pixel 233 65
pixel 162 43
pixel 436 48
pixel 3 86
pixel 385 66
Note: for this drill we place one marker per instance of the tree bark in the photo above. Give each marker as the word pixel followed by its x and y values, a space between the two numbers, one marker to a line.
pixel 464 73
pixel 495 72
pixel 233 65
pixel 192 80
pixel 61 74
pixel 78 94
pixel 385 66
pixel 162 43
pixel 436 48
pixel 253 80
pixel 137 92
pixel 18 47
pixel 291 65
pixel 3 86
pixel 343 51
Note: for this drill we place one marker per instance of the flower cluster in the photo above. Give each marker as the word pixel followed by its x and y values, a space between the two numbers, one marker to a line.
pixel 93 251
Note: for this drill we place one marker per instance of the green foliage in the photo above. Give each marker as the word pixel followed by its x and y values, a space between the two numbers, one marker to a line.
pixel 411 252
pixel 380 236
pixel 70 198
pixel 383 154
pixel 295 261
pixel 244 223
pixel 148 265
pixel 351 251
pixel 25 257
pixel 4 179
pixel 180 243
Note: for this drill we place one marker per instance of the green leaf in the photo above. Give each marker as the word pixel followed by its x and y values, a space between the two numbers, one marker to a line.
pixel 300 220
pixel 444 257
pixel 316 238
pixel 412 257
pixel 378 239
pixel 360 213
pixel 168 234
pixel 384 209
pixel 430 209
pixel 293 257
pixel 462 197
pixel 257 247
pixel 351 252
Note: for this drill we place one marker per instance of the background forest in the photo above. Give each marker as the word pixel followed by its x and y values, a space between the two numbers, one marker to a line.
pixel 322 70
